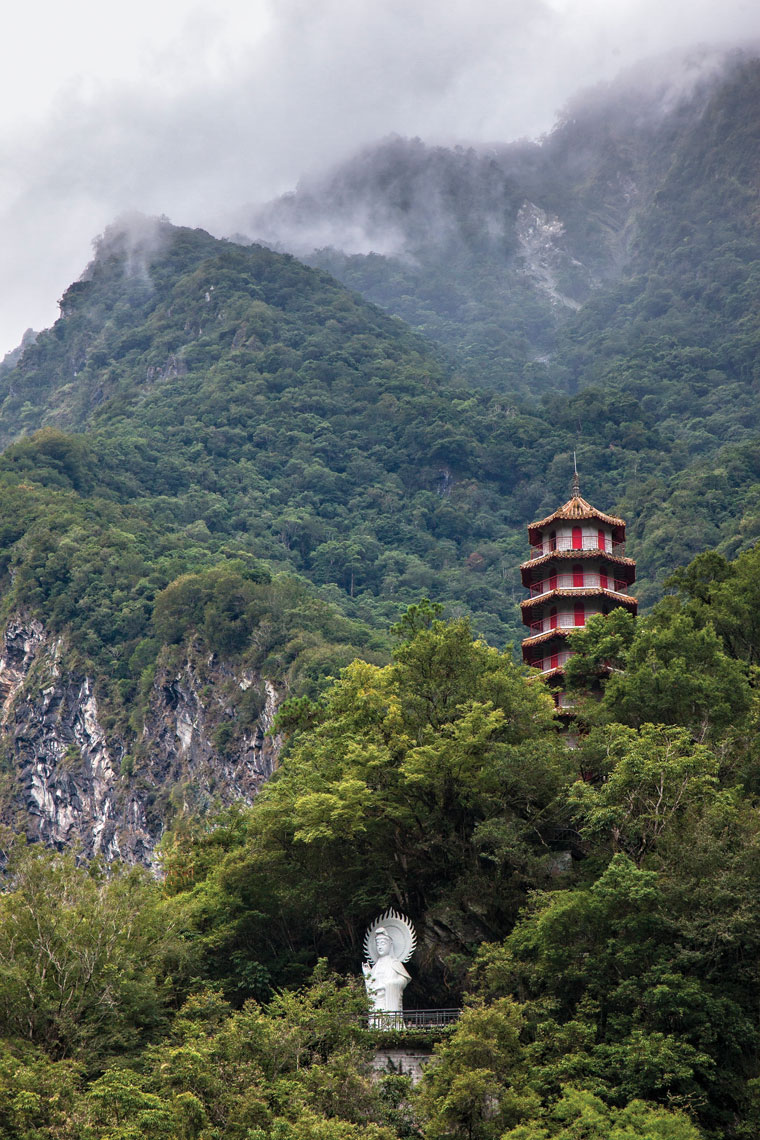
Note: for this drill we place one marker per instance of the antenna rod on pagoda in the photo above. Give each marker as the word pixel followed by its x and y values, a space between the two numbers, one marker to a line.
pixel 576 480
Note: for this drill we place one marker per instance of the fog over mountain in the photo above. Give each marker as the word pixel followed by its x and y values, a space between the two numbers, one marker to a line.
pixel 491 250
pixel 397 196
pixel 195 113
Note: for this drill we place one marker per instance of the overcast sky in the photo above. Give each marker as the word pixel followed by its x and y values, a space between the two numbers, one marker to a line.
pixel 194 110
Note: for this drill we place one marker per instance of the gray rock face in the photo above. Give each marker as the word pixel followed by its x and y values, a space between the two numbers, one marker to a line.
pixel 68 781
pixel 545 258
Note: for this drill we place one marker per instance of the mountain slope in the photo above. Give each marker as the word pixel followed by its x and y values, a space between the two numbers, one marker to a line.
pixel 233 393
pixel 235 460
pixel 492 252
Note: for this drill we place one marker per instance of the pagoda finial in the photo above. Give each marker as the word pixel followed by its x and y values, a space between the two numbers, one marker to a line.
pixel 576 480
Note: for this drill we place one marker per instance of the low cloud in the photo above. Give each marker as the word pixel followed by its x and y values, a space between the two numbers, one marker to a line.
pixel 217 121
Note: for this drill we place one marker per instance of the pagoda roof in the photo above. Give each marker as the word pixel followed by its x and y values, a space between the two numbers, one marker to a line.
pixel 578 555
pixel 574 509
pixel 579 593
pixel 548 634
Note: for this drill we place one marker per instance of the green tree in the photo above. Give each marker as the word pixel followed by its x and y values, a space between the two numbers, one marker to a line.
pixel 606 1005
pixel 38 1096
pixel 602 644
pixel 678 673
pixel 656 780
pixel 82 952
pixel 726 594
pixel 579 1114
pixel 477 1084
pixel 120 1107
pixel 297 1066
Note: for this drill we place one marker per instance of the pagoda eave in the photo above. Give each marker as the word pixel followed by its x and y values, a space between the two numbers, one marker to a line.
pixel 548 634
pixel 580 592
pixel 579 555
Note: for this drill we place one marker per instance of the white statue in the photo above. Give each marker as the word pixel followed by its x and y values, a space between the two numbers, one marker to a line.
pixel 388 943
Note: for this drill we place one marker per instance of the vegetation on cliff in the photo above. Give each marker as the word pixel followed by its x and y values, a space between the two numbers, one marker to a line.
pixel 613 993
pixel 218 447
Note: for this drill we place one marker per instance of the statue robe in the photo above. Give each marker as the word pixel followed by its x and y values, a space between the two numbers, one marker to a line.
pixel 386 982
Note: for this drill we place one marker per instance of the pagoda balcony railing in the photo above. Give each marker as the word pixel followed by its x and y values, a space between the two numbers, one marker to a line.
pixel 588 542
pixel 578 582
pixel 412 1019
pixel 552 661
pixel 560 621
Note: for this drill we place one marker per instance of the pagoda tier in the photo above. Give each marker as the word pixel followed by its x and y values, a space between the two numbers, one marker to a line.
pixel 618 567
pixel 578 568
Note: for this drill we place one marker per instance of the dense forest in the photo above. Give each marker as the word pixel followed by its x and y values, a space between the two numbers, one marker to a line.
pixel 234 396
pixel 611 993
pixel 221 453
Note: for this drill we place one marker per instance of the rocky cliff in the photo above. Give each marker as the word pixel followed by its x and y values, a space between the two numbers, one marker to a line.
pixel 69 778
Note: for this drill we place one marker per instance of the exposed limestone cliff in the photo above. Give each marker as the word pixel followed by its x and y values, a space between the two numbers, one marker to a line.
pixel 545 259
pixel 68 780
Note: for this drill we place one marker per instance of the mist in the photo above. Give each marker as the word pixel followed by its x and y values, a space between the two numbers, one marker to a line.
pixel 223 110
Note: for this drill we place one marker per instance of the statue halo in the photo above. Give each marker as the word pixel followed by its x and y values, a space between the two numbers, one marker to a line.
pixel 399 930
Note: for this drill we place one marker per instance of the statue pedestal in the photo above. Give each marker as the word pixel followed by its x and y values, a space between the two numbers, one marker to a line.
pixel 402 1062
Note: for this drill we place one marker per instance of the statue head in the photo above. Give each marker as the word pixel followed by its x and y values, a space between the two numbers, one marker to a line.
pixel 383 941
pixel 391 935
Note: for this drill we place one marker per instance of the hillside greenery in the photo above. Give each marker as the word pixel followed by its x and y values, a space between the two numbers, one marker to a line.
pixel 610 994
pixel 236 399
pixel 653 380
pixel 221 403
pixel 217 446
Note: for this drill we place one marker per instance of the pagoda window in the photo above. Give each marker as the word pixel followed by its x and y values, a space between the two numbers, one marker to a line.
pixel 553 540
pixel 578 575
pixel 577 538
pixel 603 580
pixel 553 581
pixel 580 613
pixel 601 539
pixel 554 661
pixel 553 618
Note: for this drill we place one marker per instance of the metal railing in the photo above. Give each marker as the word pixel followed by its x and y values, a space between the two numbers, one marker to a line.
pixel 553 661
pixel 583 581
pixel 588 542
pixel 560 621
pixel 413 1019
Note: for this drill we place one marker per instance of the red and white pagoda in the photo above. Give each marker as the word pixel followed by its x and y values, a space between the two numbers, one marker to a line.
pixel 577 568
